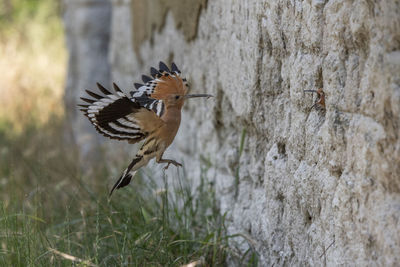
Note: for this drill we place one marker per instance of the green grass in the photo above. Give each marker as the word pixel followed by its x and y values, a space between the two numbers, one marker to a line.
pixel 48 207
pixel 240 151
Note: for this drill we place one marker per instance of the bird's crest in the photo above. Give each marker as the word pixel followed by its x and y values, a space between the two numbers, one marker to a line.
pixel 163 82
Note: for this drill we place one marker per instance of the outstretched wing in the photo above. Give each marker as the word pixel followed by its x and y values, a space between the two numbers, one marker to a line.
pixel 118 117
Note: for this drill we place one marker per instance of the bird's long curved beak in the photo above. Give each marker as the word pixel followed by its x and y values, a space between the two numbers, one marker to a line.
pixel 198 95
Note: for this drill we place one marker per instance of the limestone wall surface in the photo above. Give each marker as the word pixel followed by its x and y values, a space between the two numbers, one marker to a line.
pixel 87 40
pixel 311 187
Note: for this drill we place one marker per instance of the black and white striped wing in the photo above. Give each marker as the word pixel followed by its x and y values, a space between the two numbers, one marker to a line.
pixel 148 93
pixel 142 95
pixel 155 105
pixel 114 115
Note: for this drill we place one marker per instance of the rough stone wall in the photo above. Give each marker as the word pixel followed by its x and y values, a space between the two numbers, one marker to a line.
pixel 88 45
pixel 312 187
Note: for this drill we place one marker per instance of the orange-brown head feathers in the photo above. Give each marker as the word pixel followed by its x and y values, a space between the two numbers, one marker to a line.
pixel 167 86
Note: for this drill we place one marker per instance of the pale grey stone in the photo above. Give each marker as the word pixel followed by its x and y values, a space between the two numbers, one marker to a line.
pixel 87 28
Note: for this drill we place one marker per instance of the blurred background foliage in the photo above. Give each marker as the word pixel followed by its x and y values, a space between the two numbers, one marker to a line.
pixel 32 65
pixel 51 214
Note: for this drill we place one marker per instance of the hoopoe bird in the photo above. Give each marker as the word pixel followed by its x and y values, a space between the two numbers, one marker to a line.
pixel 152 113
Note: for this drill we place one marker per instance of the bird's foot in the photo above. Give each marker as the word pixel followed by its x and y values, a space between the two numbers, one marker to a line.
pixel 173 162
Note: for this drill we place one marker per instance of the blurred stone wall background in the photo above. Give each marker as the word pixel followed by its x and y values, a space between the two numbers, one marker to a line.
pixel 311 187
pixel 87 29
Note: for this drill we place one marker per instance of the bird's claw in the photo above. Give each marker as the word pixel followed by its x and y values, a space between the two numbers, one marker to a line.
pixel 176 164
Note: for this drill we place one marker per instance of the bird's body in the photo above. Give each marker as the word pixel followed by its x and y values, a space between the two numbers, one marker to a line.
pixel 152 114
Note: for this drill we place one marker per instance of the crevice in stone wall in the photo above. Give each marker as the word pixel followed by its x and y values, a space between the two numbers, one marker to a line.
pixel 307 217
pixel 282 149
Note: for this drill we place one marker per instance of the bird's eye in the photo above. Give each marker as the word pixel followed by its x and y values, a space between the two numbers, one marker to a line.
pixel 177 97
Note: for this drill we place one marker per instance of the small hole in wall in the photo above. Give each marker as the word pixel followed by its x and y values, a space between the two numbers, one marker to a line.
pixel 282 148
pixel 337 171
pixel 308 217
pixel 280 197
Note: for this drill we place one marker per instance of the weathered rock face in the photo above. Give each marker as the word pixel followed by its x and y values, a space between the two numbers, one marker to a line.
pixel 313 186
pixel 87 42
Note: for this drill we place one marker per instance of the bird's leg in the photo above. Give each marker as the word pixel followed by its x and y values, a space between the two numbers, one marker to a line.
pixel 169 161
pixel 159 159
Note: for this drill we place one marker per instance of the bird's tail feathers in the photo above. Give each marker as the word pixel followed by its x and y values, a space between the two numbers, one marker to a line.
pixel 127 175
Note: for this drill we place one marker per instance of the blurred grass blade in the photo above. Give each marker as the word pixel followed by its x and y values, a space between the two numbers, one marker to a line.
pixel 71 258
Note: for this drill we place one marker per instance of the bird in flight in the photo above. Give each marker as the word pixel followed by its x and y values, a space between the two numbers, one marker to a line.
pixel 151 113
